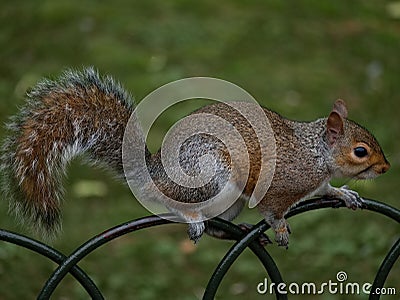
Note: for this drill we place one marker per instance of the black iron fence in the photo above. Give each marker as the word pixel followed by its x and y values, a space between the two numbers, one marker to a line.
pixel 69 264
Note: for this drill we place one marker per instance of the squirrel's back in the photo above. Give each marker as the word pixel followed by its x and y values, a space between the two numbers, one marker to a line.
pixel 77 113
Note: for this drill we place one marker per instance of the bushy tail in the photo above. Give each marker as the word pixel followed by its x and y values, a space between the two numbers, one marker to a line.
pixel 80 112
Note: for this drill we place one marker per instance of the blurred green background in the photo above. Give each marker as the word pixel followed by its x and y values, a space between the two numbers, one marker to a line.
pixel 295 57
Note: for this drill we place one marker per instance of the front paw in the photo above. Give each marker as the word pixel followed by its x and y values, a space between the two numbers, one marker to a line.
pixel 350 197
pixel 195 231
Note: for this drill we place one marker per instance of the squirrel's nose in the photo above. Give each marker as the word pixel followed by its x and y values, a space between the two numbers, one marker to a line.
pixel 385 168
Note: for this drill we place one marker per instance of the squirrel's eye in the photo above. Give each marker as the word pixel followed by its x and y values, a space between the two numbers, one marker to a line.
pixel 360 152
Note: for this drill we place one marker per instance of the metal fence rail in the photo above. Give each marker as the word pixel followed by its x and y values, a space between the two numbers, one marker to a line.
pixel 68 264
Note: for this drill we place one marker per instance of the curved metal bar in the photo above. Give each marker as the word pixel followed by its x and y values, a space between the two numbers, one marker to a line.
pixel 374 206
pixel 68 264
pixel 243 241
pixel 55 256
pixel 384 270
pixel 308 205
pixel 92 245
pixel 382 208
pixel 369 204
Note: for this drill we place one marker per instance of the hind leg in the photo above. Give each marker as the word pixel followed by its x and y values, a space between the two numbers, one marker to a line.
pixel 280 227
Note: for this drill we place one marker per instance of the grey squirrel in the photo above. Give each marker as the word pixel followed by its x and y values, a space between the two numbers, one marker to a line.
pixel 84 113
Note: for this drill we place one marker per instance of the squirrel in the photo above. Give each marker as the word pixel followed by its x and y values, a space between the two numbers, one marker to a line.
pixel 82 112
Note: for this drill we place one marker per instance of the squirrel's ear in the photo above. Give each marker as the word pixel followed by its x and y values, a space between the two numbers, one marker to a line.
pixel 340 107
pixel 334 124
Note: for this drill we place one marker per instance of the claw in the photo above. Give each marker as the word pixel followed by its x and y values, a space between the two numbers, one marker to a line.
pixel 289 229
pixel 350 197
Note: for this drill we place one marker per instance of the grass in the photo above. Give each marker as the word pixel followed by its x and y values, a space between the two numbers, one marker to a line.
pixel 294 57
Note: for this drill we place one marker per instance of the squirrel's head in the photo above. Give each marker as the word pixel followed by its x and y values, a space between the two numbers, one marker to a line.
pixel 356 152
